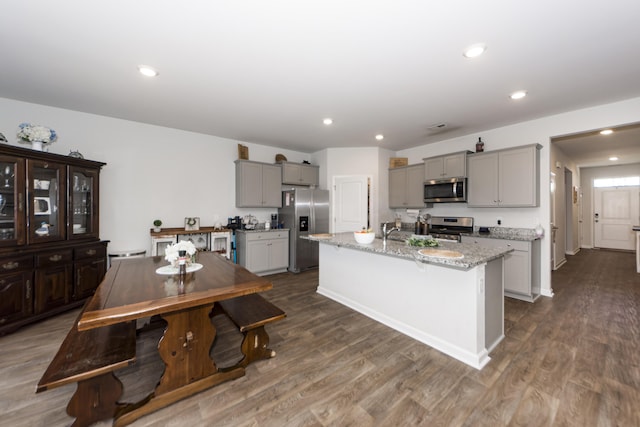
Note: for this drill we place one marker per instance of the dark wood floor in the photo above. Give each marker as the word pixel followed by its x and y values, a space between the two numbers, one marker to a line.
pixel 571 360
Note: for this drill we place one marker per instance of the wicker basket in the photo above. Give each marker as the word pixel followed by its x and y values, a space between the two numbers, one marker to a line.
pixel 396 162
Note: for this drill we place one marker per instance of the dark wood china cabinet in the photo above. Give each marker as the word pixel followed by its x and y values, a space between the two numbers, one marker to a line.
pixel 51 255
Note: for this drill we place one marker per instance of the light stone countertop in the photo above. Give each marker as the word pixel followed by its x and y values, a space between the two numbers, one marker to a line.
pixel 523 234
pixel 474 255
pixel 262 230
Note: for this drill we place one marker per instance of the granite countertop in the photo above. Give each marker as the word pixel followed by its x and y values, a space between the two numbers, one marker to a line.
pixel 523 234
pixel 262 230
pixel 474 255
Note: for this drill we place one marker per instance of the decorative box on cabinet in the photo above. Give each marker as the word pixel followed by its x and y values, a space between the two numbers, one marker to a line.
pixel 49 216
pixel 204 239
pixel 452 165
pixel 258 185
pixel 504 178
pixel 299 173
pixel 521 266
pixel 406 187
pixel 263 252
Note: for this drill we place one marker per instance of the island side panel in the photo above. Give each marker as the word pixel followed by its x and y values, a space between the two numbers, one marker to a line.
pixel 494 303
pixel 439 306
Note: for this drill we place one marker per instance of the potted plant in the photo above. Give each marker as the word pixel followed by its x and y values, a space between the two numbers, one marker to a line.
pixel 156 225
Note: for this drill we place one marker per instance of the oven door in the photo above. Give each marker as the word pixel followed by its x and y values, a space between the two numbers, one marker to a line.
pixel 453 190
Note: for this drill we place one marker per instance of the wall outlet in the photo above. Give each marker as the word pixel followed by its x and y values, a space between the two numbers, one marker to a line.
pixel 499 220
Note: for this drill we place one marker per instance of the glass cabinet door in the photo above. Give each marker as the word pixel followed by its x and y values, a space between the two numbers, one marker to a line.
pixel 46 186
pixel 83 207
pixel 12 196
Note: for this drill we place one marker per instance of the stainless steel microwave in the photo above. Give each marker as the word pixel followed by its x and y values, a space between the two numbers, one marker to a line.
pixel 445 191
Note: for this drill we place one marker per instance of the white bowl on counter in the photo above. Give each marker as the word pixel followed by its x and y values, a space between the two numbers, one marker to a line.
pixel 364 238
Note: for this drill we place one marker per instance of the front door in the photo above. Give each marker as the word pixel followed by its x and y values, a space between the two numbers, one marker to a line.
pixel 616 211
pixel 350 203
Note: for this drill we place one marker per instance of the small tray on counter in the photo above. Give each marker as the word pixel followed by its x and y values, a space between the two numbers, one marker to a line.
pixel 440 253
pixel 321 236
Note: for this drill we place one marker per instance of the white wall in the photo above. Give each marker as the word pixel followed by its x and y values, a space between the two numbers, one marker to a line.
pixel 151 172
pixel 538 131
pixel 155 172
pixel 371 162
pixel 560 163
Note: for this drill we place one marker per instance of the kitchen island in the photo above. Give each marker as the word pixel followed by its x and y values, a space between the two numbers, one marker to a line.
pixel 454 305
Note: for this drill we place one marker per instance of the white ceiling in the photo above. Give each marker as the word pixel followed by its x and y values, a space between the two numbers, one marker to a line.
pixel 269 72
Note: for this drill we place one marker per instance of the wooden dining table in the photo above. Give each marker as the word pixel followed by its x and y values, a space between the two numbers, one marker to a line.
pixel 133 289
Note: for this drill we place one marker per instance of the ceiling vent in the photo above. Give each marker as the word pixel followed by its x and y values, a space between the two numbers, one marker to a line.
pixel 438 127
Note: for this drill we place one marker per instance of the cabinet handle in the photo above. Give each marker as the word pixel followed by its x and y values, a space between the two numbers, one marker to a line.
pixel 11 265
pixel 20 201
pixel 91 252
pixel 55 258
pixel 28 289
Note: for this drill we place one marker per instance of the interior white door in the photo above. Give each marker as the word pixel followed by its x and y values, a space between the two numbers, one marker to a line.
pixel 350 203
pixel 616 211
pixel 552 213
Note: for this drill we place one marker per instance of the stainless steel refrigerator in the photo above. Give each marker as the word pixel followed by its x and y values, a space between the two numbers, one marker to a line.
pixel 304 211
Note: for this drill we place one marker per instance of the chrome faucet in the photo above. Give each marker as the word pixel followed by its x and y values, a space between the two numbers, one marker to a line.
pixel 385 232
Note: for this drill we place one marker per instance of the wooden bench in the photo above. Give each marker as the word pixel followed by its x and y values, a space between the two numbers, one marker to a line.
pixel 89 358
pixel 250 313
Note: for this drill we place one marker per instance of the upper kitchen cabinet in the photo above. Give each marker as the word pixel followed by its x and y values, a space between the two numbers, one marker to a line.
pixel 258 185
pixel 300 174
pixel 452 165
pixel 504 178
pixel 406 187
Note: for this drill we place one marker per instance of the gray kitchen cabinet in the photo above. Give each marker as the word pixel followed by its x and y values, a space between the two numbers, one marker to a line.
pixel 521 266
pixel 504 178
pixel 406 185
pixel 300 174
pixel 263 252
pixel 258 185
pixel 452 165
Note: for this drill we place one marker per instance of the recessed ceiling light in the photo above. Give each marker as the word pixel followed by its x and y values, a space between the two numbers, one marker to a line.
pixel 379 137
pixel 613 158
pixel 606 132
pixel 327 121
pixel 519 94
pixel 145 70
pixel 474 51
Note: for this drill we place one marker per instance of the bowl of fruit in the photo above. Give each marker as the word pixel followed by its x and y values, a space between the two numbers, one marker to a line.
pixel 364 236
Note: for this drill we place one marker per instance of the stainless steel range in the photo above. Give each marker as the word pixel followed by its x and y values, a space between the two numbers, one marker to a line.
pixel 450 227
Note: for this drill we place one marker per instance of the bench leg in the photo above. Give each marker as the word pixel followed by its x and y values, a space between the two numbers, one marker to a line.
pixel 254 346
pixel 95 399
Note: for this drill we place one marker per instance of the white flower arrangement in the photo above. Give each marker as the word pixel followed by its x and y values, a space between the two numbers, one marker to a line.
pixel 171 253
pixel 31 133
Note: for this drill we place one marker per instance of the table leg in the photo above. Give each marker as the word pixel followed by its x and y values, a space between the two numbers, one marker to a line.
pixel 95 399
pixel 189 369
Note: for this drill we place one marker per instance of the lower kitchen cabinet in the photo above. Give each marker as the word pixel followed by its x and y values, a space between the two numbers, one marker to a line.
pixel 521 266
pixel 38 284
pixel 263 252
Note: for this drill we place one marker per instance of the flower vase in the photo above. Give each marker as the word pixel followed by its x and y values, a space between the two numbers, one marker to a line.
pixel 36 145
